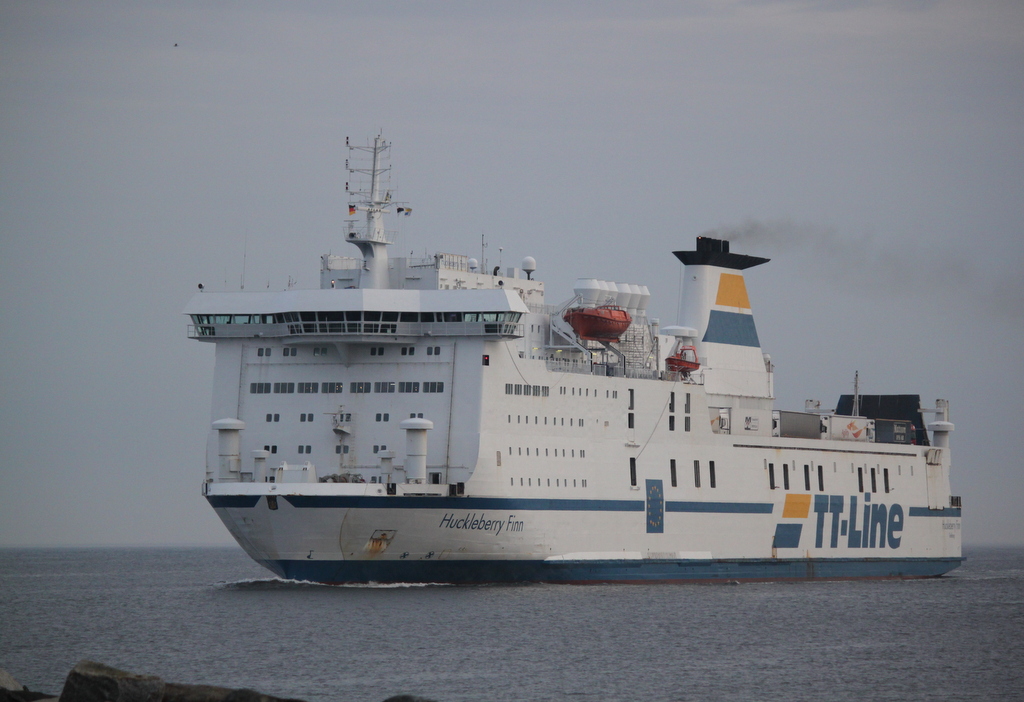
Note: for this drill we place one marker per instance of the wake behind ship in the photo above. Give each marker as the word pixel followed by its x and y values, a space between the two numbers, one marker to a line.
pixel 433 420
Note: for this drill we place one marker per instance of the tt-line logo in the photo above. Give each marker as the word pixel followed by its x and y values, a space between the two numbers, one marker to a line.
pixel 872 526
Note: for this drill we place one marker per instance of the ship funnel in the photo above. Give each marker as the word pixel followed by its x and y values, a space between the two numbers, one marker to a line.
pixel 416 448
pixel 716 304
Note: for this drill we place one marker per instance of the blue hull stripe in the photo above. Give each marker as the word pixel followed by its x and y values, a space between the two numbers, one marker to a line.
pixel 926 512
pixel 491 503
pixel 503 503
pixel 731 328
pixel 721 507
pixel 453 503
pixel 636 571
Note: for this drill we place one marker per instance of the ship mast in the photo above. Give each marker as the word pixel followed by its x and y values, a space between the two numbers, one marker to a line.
pixel 372 242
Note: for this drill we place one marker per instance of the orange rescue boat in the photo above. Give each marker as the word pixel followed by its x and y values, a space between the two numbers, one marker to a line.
pixel 604 323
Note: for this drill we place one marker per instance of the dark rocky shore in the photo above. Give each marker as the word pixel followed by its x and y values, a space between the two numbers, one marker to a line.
pixel 95 682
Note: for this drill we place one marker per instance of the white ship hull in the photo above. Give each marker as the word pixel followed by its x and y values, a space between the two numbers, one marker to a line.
pixel 433 421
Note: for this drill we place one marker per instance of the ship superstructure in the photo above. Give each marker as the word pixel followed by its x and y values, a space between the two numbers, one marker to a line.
pixel 430 420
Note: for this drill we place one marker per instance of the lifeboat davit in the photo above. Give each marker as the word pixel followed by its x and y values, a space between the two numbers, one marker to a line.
pixel 684 360
pixel 604 323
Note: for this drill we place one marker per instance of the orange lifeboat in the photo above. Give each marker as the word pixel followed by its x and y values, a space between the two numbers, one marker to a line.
pixel 684 360
pixel 605 323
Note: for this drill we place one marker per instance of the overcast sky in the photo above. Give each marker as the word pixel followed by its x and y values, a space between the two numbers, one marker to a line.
pixel 873 150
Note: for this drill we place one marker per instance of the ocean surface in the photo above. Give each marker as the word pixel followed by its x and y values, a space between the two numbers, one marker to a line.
pixel 212 616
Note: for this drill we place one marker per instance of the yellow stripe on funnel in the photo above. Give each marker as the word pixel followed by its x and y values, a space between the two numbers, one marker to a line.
pixel 732 291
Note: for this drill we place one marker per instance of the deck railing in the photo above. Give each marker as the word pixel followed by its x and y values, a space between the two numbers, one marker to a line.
pixel 353 329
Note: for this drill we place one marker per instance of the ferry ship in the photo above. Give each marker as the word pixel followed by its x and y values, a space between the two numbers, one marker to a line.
pixel 431 420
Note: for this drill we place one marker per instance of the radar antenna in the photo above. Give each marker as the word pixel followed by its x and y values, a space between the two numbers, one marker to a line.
pixel 371 195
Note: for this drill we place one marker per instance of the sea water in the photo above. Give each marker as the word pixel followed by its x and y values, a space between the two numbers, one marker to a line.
pixel 212 616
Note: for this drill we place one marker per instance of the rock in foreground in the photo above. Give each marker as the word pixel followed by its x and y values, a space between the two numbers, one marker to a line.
pixel 94 682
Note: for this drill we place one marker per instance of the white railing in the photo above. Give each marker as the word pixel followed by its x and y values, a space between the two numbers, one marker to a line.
pixel 502 329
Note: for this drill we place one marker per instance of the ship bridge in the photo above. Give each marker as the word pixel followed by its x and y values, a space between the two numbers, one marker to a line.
pixel 356 315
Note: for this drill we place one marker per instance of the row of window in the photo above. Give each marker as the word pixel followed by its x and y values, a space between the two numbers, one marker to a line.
pixel 323 351
pixel 559 482
pixel 337 387
pixel 347 417
pixel 555 421
pixel 672 402
pixel 821 478
pixel 303 448
pixel 631 422
pixel 673 476
pixel 548 454
pixel 289 351
pixel 306 449
pixel 355 316
pixel 520 389
pixel 585 392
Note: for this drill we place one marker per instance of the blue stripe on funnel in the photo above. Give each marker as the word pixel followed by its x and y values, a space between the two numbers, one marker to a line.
pixel 731 328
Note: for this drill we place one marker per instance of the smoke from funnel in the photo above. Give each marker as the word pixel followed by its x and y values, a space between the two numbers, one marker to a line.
pixel 876 265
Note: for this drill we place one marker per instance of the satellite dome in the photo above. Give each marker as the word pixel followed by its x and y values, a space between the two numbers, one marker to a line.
pixel 529 264
pixel 473 264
